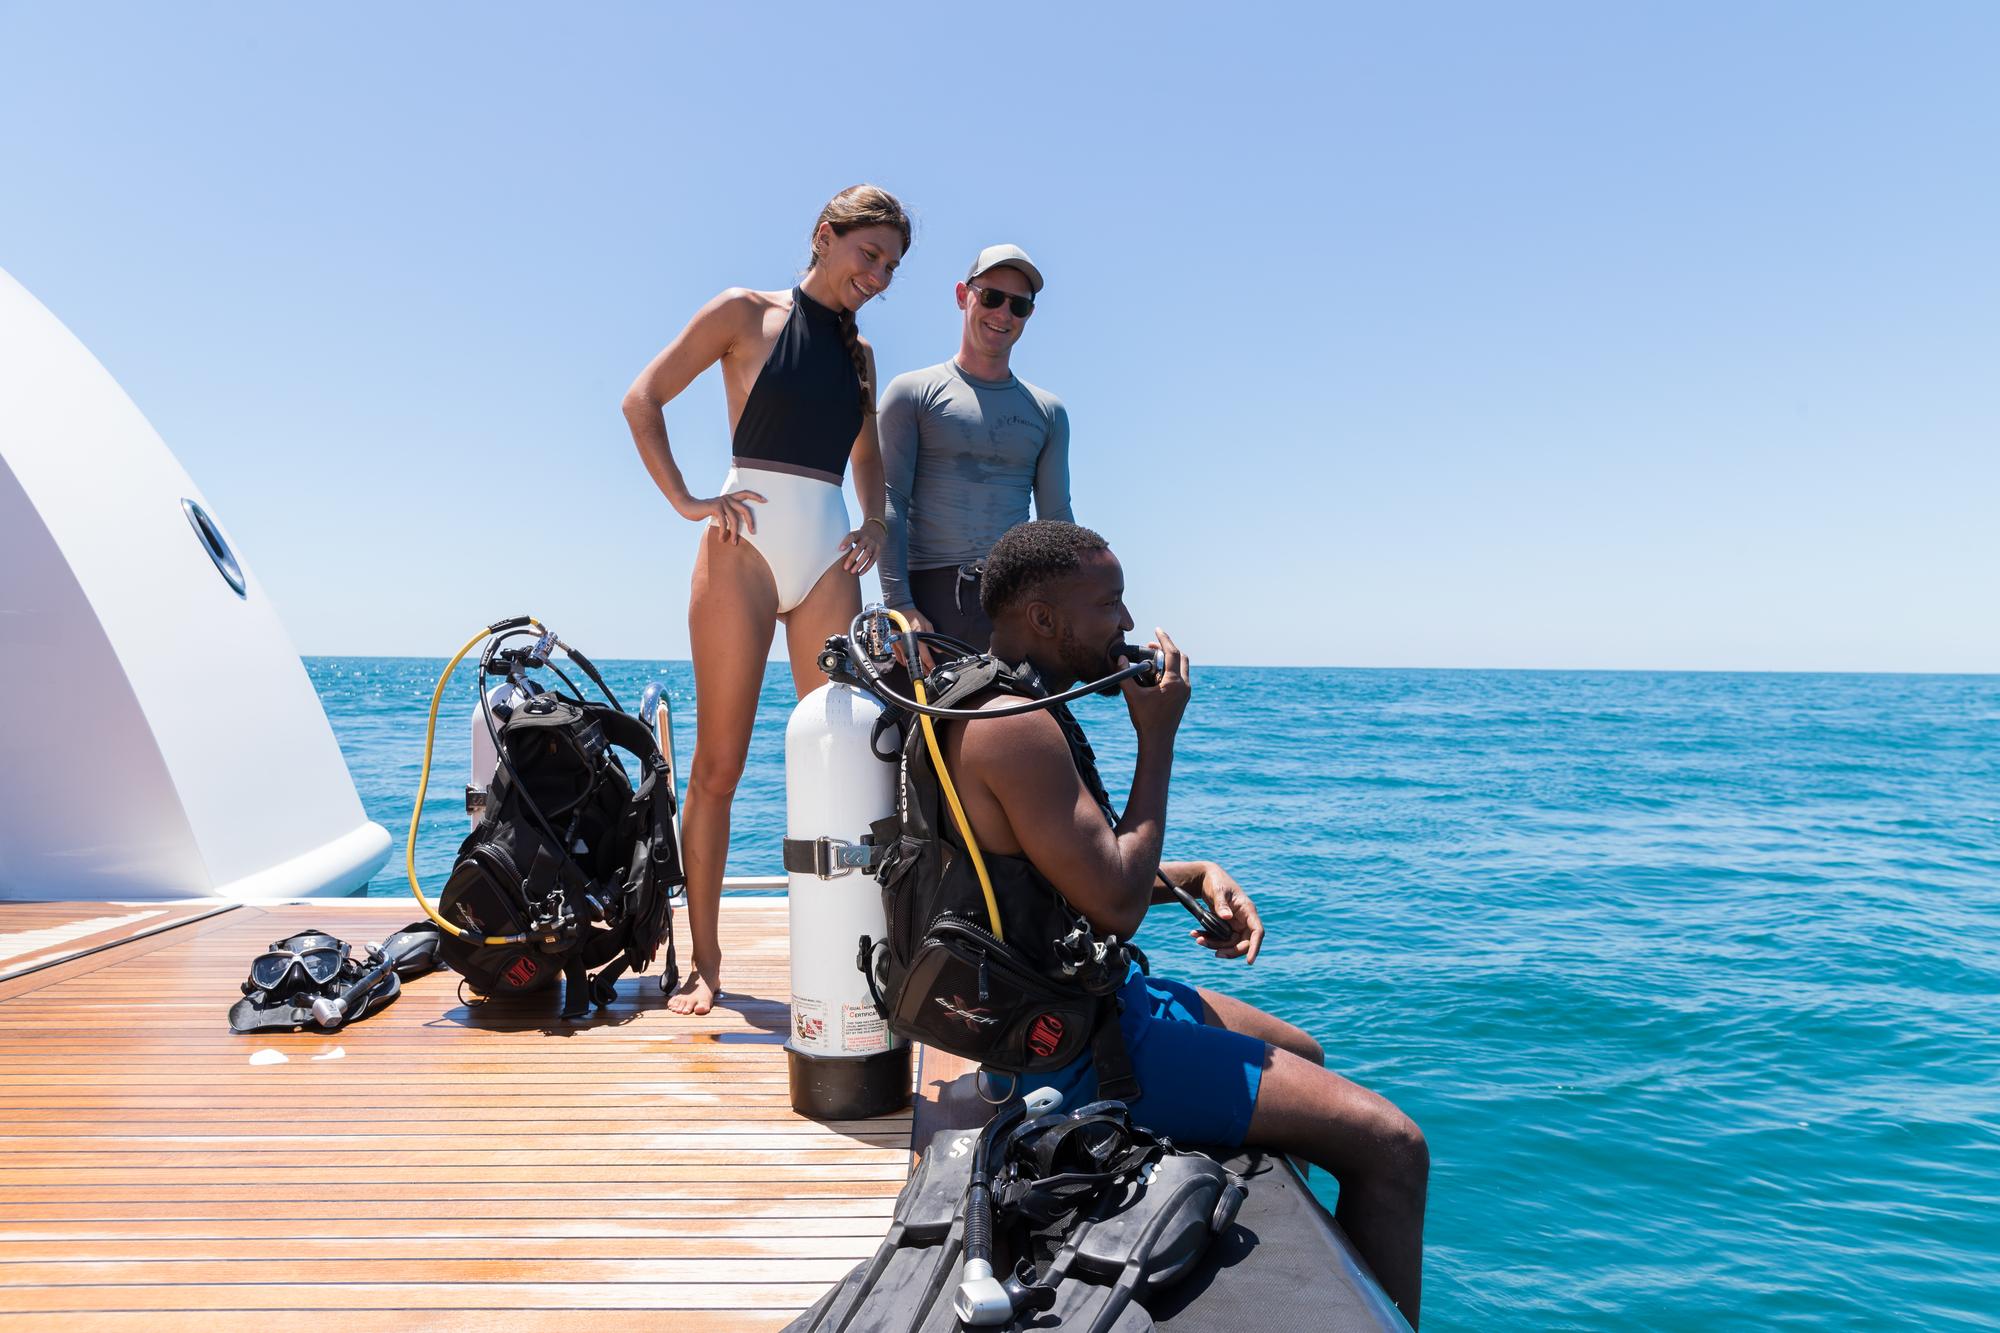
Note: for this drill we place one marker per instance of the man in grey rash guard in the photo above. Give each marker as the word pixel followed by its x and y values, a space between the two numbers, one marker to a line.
pixel 964 445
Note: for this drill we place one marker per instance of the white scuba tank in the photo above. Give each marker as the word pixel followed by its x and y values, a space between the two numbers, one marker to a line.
pixel 844 1061
pixel 485 758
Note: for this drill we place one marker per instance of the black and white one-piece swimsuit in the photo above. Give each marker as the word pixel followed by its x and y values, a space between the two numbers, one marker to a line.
pixel 791 447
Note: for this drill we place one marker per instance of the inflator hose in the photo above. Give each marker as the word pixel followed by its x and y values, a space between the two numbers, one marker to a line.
pixel 424 782
pixel 950 792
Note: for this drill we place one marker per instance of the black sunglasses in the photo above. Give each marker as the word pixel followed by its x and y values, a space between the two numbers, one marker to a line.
pixel 992 298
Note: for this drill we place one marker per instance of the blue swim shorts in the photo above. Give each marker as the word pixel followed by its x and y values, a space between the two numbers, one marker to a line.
pixel 1198 1084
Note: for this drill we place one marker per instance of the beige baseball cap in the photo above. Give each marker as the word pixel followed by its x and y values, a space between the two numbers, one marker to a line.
pixel 1007 256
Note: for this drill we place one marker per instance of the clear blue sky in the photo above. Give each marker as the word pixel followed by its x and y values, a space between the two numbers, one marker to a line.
pixel 1564 335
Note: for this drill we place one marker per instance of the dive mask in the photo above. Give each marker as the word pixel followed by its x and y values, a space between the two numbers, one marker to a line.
pixel 304 962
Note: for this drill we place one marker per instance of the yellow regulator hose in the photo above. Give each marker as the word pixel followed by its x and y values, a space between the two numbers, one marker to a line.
pixel 950 792
pixel 423 785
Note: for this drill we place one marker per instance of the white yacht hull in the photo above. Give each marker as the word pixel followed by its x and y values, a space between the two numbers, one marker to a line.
pixel 159 737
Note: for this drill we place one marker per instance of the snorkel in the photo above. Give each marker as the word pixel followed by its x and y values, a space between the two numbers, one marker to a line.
pixel 983 1300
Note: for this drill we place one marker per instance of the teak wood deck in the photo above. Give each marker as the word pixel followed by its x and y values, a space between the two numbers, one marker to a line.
pixel 439 1165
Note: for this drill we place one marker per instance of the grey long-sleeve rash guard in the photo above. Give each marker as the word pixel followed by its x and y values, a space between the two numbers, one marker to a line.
pixel 962 456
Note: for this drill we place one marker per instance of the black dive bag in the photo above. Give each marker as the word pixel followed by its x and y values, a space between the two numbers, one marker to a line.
pixel 568 854
pixel 1026 1004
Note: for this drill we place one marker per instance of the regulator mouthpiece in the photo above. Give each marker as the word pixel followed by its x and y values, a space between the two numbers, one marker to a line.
pixel 1152 662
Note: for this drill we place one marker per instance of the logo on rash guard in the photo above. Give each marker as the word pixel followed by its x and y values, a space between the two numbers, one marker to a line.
pixel 964 1013
pixel 1045 1035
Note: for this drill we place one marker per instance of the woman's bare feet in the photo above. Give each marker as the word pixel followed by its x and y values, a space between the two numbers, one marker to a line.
pixel 696 995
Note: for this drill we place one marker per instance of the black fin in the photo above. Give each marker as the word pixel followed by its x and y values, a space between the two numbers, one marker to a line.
pixel 415 948
pixel 908 1285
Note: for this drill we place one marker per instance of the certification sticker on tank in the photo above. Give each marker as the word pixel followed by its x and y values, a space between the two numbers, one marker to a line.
pixel 862 1029
pixel 808 1021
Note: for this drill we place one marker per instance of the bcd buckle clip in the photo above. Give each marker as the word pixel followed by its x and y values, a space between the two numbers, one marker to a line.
pixel 829 858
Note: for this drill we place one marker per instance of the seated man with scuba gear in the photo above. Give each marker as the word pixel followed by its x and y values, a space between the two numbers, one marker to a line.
pixel 1018 889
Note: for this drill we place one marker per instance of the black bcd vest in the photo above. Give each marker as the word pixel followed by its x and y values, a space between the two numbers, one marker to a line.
pixel 1029 1003
pixel 569 853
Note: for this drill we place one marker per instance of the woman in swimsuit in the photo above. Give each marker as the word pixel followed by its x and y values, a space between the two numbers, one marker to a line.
pixel 801 388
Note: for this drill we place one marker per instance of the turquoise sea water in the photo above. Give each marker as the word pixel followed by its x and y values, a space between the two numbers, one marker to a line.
pixel 1693 981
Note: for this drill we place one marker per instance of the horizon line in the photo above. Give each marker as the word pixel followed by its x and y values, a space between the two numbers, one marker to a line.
pixel 1298 666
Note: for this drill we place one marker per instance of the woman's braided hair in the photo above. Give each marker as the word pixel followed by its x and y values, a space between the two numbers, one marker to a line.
pixel 860 206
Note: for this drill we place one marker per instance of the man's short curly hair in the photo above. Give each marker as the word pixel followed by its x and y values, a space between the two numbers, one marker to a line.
pixel 1028 555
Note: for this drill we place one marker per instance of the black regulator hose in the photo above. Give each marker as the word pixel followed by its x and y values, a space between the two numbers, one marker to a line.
pixel 1145 667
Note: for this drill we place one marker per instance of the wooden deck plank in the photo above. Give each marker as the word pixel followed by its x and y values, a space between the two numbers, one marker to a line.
pixel 124 953
pixel 393 1269
pixel 576 1193
pixel 264 1154
pixel 444 1163
pixel 726 1136
pixel 317 1249
pixel 678 1231
pixel 444 1300
pixel 454 1202
pixel 706 1123
pixel 34 935
pixel 947 1097
pixel 461 1320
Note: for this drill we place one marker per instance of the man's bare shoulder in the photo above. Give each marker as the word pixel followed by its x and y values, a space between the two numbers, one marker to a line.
pixel 1020 743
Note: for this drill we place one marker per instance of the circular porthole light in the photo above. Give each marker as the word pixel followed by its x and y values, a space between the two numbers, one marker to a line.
pixel 212 542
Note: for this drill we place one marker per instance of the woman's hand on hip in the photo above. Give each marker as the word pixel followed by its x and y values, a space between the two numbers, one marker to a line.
pixel 863 547
pixel 729 512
